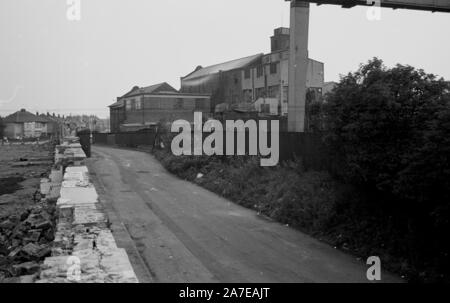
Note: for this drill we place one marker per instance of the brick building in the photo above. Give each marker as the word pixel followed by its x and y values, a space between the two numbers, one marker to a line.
pixel 143 107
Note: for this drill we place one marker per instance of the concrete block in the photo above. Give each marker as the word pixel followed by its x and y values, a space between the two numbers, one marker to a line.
pixel 88 216
pixel 76 183
pixel 82 169
pixel 56 175
pixel 45 186
pixel 55 191
pixel 78 195
pixel 75 176
pixel 96 238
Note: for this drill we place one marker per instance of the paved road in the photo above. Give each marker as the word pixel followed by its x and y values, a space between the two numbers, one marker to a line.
pixel 175 231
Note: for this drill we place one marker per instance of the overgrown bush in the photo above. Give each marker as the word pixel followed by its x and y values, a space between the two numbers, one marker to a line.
pixel 2 127
pixel 390 128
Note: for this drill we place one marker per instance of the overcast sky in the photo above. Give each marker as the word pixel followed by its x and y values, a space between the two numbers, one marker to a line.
pixel 48 63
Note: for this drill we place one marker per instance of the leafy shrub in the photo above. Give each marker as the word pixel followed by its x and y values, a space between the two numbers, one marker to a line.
pixel 390 127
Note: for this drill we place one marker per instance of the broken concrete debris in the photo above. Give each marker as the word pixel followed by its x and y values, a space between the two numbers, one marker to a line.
pixel 65 227
pixel 26 216
pixel 84 249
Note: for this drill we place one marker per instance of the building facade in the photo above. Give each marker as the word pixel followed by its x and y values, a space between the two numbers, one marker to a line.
pixel 23 124
pixel 143 107
pixel 222 81
pixel 270 79
pixel 252 78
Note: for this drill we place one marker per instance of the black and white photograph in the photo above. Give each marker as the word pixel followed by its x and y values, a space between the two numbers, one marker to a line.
pixel 227 148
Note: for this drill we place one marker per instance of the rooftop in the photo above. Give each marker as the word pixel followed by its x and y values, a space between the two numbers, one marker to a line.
pixel 159 89
pixel 156 88
pixel 23 116
pixel 226 66
pixel 163 87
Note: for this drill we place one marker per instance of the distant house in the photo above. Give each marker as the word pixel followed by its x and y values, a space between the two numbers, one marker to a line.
pixel 54 124
pixel 23 124
pixel 145 106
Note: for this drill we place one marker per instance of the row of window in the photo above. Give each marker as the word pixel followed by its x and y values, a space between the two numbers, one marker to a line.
pixel 31 125
pixel 179 103
pixel 260 70
pixel 133 104
pixel 271 92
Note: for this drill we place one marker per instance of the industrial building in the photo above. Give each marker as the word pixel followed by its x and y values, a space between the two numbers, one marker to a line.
pixel 253 78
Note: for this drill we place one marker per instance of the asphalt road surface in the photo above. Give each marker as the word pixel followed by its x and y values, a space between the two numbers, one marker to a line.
pixel 176 231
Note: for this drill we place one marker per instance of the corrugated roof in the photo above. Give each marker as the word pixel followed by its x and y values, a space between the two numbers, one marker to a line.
pixel 226 66
pixel 23 116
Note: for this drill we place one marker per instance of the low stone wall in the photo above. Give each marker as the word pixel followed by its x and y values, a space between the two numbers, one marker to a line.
pixel 84 249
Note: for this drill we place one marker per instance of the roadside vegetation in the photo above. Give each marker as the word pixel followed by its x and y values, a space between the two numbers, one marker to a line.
pixel 388 131
pixel 2 128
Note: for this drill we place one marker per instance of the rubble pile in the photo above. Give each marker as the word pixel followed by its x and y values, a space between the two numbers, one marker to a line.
pixel 25 239
pixel 26 228
pixel 84 249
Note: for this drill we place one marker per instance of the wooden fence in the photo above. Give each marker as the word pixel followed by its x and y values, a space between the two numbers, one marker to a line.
pixel 306 147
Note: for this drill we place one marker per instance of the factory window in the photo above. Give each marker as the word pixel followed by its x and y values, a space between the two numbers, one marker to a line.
pixel 129 105
pixel 273 68
pixel 274 91
pixel 259 71
pixel 265 108
pixel 285 94
pixel 247 73
pixel 247 93
pixel 260 92
pixel 138 104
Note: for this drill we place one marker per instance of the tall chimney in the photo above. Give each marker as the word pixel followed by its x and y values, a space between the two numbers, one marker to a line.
pixel 298 65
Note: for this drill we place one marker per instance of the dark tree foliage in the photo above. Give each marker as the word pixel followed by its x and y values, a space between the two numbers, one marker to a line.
pixel 2 127
pixel 390 130
pixel 392 126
